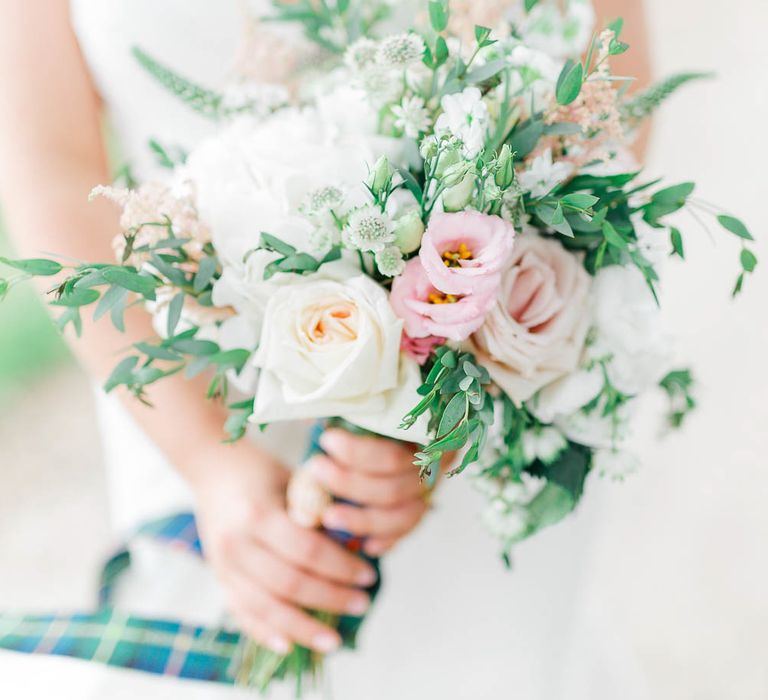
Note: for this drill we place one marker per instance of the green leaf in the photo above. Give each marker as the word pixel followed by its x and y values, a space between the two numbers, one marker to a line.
pixel 157 352
pixel 617 26
pixel 739 285
pixel 196 347
pixel 569 83
pixel 676 194
pixel 486 72
pixel 748 260
pixel 735 226
pixel 117 314
pixel 441 52
pixel 438 15
pixel 613 237
pixel 108 300
pixel 452 414
pixel 4 286
pixel 77 298
pixel 37 267
pixel 481 33
pixel 205 273
pixel 274 244
pixel 580 201
pixel 525 138
pixel 449 360
pixel 122 374
pixel 411 184
pixel 676 239
pixel 132 281
pixel 174 313
pixel 530 4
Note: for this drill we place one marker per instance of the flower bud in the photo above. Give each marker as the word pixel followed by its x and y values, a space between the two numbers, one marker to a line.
pixel 428 147
pixel 455 174
pixel 409 228
pixel 505 173
pixel 459 196
pixel 381 177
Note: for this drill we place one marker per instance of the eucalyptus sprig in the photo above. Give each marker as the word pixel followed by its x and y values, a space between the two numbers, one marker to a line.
pixel 460 409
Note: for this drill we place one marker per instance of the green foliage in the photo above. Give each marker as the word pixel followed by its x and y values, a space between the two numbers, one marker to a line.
pixel 460 409
pixel 569 83
pixel 206 102
pixel 644 104
pixel 292 261
pixel 678 386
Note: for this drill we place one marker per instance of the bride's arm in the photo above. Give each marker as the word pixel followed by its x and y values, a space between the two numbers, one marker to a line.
pixel 51 155
pixel 637 61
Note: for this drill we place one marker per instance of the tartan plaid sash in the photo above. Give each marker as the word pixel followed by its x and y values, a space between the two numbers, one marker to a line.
pixel 114 638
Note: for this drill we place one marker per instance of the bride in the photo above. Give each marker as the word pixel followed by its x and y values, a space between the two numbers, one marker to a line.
pixel 452 622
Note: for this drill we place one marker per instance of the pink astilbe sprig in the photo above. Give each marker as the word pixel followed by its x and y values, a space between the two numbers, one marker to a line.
pixel 151 213
pixel 596 109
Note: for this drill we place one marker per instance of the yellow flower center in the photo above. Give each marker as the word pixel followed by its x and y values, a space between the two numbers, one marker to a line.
pixel 452 258
pixel 440 298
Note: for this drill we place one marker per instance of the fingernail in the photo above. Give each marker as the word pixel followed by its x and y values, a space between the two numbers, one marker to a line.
pixel 319 468
pixel 280 645
pixel 330 441
pixel 367 577
pixel 374 550
pixel 325 643
pixel 332 520
pixel 358 606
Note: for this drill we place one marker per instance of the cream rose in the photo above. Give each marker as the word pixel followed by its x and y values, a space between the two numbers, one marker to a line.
pixel 332 348
pixel 535 333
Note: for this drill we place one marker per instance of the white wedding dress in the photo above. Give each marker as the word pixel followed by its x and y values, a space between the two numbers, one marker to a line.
pixel 452 623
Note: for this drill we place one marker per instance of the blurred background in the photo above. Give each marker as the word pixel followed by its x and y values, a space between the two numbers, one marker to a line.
pixel 679 565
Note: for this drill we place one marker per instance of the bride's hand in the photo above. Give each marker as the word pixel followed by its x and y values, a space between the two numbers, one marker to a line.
pixel 270 567
pixel 378 475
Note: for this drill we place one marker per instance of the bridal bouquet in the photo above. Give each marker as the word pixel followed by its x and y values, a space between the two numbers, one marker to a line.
pixel 444 240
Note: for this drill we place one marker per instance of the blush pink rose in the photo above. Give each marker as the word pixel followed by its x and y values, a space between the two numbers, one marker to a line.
pixel 536 331
pixel 420 349
pixel 464 253
pixel 426 311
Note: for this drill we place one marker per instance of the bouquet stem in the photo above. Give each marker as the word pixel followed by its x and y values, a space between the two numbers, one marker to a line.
pixel 258 667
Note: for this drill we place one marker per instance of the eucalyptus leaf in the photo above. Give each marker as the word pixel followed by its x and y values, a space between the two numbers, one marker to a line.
pixel 37 267
pixel 569 83
pixel 735 226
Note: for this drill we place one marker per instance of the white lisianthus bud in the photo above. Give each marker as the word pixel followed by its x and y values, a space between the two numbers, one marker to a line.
pixel 457 198
pixel 369 230
pixel 543 444
pixel 505 173
pixel 409 229
pixel 428 147
pixel 380 180
pixel 390 261
pixel 449 158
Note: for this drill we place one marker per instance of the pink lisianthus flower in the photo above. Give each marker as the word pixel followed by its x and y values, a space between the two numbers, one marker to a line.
pixel 464 253
pixel 427 311
pixel 420 349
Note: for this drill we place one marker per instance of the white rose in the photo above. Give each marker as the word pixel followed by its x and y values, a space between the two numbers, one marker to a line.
pixel 332 348
pixel 535 333
pixel 628 330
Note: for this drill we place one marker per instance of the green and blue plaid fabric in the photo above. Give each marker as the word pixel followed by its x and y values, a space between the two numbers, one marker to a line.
pixel 115 638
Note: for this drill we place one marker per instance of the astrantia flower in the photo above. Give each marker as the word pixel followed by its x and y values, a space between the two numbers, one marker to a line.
pixel 362 54
pixel 411 116
pixel 390 261
pixel 323 200
pixel 401 49
pixel 369 229
pixel 543 444
pixel 381 83
pixel 466 117
pixel 543 175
